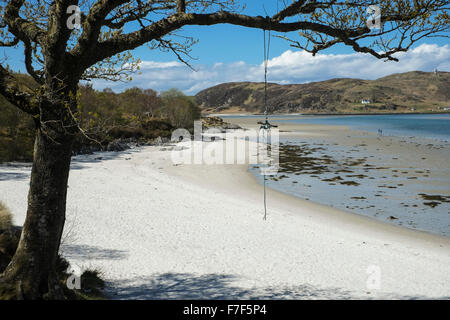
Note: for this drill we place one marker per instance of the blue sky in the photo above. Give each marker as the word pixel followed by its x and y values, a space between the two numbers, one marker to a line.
pixel 227 53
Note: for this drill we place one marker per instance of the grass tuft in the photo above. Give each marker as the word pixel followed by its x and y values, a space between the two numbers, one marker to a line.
pixel 92 284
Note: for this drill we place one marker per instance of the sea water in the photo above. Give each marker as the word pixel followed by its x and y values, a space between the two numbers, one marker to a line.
pixel 381 194
pixel 432 126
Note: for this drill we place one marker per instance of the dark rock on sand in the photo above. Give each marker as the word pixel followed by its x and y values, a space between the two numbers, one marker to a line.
pixel 117 145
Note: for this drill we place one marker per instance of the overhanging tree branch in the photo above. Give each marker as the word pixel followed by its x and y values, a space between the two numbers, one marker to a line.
pixel 21 28
pixel 93 23
pixel 28 53
pixel 181 6
pixel 165 26
pixel 22 100
pixel 11 43
pixel 59 33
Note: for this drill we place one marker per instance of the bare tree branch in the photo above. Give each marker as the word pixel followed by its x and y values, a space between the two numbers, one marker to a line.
pixel 165 26
pixel 12 43
pixel 28 52
pixel 60 33
pixel 93 23
pixel 181 6
pixel 22 100
pixel 21 28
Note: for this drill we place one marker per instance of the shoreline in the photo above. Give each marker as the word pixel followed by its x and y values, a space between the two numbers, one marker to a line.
pixel 163 231
pixel 210 177
pixel 388 167
pixel 324 114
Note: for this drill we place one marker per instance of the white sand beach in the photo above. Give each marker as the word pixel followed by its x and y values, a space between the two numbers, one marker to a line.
pixel 160 231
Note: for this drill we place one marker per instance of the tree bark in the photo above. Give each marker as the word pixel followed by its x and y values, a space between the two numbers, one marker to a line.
pixel 32 269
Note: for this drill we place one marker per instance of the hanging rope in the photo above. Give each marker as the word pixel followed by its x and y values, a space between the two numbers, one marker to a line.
pixel 266 126
pixel 265 197
pixel 266 63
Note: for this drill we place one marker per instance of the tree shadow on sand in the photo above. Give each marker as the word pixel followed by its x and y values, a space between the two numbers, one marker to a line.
pixel 13 175
pixel 84 160
pixel 22 170
pixel 211 286
pixel 222 287
pixel 92 252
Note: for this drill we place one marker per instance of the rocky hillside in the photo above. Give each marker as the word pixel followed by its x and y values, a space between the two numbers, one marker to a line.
pixel 406 92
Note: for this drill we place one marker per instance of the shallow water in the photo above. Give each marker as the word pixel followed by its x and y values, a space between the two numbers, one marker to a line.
pixel 432 126
pixel 375 184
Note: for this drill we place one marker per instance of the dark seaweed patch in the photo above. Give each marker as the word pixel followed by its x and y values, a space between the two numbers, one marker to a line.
pixel 432 204
pixel 435 197
pixel 337 178
pixel 350 183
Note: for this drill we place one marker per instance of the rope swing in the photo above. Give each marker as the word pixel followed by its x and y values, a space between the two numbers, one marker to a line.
pixel 265 126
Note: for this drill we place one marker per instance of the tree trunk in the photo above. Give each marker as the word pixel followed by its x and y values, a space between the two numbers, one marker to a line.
pixel 32 269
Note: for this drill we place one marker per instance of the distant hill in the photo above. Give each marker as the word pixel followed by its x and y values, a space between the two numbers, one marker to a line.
pixel 405 92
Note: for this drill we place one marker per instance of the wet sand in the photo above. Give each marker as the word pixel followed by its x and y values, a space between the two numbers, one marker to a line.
pixel 401 180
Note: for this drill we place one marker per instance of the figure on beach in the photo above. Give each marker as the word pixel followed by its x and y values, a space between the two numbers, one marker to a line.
pixel 380 132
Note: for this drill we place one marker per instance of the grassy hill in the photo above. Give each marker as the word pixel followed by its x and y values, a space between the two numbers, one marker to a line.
pixel 406 92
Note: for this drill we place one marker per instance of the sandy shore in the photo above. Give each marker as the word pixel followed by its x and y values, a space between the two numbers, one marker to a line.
pixel 160 231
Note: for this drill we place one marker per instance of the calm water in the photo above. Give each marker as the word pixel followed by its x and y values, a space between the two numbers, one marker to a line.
pixel 433 126
pixel 380 193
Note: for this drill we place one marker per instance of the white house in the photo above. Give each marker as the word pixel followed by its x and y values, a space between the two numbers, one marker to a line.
pixel 364 101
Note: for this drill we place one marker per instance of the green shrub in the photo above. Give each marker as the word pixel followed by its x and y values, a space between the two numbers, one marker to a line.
pixel 179 109
pixel 92 282
pixel 16 133
pixel 104 116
